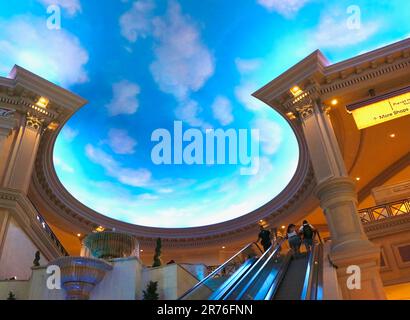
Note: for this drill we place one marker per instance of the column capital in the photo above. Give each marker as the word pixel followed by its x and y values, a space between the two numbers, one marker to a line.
pixel 34 122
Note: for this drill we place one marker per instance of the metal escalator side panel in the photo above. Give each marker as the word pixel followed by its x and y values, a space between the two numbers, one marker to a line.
pixel 217 295
pixel 312 287
pixel 281 274
pixel 250 250
pixel 239 290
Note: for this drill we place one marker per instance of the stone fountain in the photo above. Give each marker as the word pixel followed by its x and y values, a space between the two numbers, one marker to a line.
pixel 79 275
pixel 110 244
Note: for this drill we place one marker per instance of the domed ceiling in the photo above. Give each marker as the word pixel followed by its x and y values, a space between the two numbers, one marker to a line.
pixel 171 136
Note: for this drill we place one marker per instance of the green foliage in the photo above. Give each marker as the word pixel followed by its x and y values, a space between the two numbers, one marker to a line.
pixel 11 296
pixel 157 257
pixel 151 292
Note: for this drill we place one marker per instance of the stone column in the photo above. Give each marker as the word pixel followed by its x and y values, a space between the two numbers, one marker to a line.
pixel 4 219
pixel 23 154
pixel 7 123
pixel 338 199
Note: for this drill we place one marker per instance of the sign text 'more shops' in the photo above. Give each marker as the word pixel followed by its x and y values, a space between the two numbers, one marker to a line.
pixel 381 109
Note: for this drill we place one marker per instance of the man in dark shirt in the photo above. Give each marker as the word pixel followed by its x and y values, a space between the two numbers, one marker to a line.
pixel 265 238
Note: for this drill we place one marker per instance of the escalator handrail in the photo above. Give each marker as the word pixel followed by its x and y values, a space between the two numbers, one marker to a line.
pixel 311 272
pixel 279 277
pixel 270 253
pixel 216 271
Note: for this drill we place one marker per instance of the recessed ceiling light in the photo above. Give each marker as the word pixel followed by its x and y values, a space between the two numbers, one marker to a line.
pixel 283 227
pixel 357 178
pixel 223 247
pixel 334 102
pixel 78 234
pixel 393 135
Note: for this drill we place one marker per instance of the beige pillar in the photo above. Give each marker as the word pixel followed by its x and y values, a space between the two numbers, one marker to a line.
pixel 4 219
pixel 7 123
pixel 23 154
pixel 338 199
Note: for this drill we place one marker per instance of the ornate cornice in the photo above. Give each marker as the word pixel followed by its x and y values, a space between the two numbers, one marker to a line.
pixel 316 73
pixel 388 226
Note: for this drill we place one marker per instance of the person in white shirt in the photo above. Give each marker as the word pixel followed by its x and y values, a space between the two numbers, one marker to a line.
pixel 307 231
pixel 293 239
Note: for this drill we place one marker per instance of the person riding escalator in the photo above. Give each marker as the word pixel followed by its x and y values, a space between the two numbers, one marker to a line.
pixel 265 238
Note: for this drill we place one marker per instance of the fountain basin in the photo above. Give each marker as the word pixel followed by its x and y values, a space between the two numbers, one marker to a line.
pixel 110 244
pixel 80 275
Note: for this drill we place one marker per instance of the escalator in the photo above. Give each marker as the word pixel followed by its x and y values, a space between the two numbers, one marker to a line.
pixel 214 286
pixel 281 276
pixel 273 275
pixel 300 278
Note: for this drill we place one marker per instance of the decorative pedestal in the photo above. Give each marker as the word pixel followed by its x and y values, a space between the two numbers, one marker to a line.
pixel 110 244
pixel 80 275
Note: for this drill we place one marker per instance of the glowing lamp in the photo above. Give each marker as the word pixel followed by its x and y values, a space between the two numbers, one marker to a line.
pixel 296 91
pixel 42 102
pixel 334 102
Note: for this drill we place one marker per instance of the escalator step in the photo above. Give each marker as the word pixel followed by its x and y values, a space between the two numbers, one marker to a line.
pixel 292 283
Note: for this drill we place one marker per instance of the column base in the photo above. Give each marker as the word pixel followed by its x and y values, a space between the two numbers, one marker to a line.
pixel 363 281
pixel 350 247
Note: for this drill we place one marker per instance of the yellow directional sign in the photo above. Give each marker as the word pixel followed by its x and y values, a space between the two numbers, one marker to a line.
pixel 381 109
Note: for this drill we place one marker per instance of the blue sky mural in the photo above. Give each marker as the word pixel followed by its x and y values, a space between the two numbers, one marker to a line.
pixel 145 64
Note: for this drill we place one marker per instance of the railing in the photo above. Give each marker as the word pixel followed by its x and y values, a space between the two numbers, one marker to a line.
pixel 51 234
pixel 223 274
pixel 392 209
pixel 250 280
pixel 313 284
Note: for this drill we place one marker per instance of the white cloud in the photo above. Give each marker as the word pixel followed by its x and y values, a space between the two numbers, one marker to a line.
pixel 58 162
pixel 243 93
pixel 222 110
pixel 125 98
pixel 137 22
pixel 183 63
pixel 165 190
pixel 147 196
pixel 71 6
pixel 286 8
pixel 120 142
pixel 333 32
pixel 128 176
pixel 270 135
pixel 265 169
pixel 69 134
pixel 188 111
pixel 245 66
pixel 55 55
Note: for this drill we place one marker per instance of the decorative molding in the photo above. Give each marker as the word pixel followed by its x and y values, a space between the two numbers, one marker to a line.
pixel 306 111
pixel 34 122
pixel 6 113
pixel 26 215
pixel 329 80
pixel 391 225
